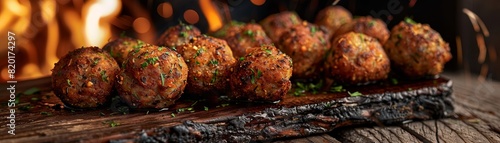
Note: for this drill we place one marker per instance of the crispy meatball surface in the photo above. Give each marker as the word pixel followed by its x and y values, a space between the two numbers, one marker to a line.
pixel 333 17
pixel 210 61
pixel 263 75
pixel 357 59
pixel 372 27
pixel 417 49
pixel 277 24
pixel 119 48
pixel 307 45
pixel 177 35
pixel 84 77
pixel 243 37
pixel 152 77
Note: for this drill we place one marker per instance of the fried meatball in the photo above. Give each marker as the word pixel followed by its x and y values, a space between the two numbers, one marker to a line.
pixel 357 59
pixel 177 35
pixel 372 27
pixel 210 61
pixel 119 48
pixel 417 49
pixel 276 24
pixel 152 77
pixel 307 45
pixel 333 17
pixel 263 75
pixel 243 37
pixel 84 77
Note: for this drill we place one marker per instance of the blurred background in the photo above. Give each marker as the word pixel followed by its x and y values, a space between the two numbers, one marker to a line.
pixel 47 29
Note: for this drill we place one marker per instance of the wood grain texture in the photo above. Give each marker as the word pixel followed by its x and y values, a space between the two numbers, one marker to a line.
pixel 476 119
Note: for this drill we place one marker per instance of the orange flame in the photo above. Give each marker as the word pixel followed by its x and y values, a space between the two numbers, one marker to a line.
pixel 213 16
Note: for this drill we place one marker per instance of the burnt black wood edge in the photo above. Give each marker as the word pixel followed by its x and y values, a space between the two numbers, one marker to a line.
pixel 273 123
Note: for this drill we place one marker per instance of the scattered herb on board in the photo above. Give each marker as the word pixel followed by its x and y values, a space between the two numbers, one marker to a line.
pixel 302 88
pixel 354 94
pixel 45 113
pixel 205 108
pixel 34 99
pixel 101 114
pixel 224 105
pixel 26 108
pixel 111 123
pixel 337 89
pixel 394 81
pixel 172 115
pixel 31 91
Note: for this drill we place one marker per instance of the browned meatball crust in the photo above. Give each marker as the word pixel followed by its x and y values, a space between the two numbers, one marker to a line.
pixel 119 48
pixel 243 37
pixel 417 49
pixel 262 75
pixel 307 45
pixel 152 77
pixel 372 27
pixel 357 59
pixel 177 35
pixel 84 77
pixel 210 61
pixel 275 25
pixel 333 17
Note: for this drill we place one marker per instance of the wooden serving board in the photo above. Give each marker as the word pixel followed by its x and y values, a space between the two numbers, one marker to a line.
pixel 41 117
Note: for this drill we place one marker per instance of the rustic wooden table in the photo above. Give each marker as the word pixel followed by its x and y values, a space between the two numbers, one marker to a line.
pixel 477 119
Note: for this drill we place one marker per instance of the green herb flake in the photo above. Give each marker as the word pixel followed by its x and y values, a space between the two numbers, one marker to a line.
pixel 242 58
pixel 400 36
pixel 104 77
pixel 313 29
pixel 252 77
pixel 69 82
pixel 371 23
pixel 112 123
pixel 197 63
pixel 172 115
pixel 268 51
pixel 394 81
pixel 224 105
pixel 162 76
pixel 409 20
pixel 101 114
pixel 249 33
pixel 34 99
pixel 337 89
pixel 31 91
pixel 205 108
pixel 214 77
pixel 259 74
pixel 45 113
pixel 152 60
pixel 214 62
pixel 183 34
pixel 95 61
pixel 122 35
pixel 194 103
pixel 198 52
pixel 145 64
pixel 354 94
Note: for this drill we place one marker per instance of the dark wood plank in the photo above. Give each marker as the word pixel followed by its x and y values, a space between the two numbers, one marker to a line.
pixel 477 119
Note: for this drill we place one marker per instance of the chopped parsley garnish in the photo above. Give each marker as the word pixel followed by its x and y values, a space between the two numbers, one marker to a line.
pixel 183 34
pixel 268 51
pixel 242 58
pixel 95 61
pixel 162 76
pixel 205 107
pixel 302 88
pixel 145 64
pixel 354 93
pixel 149 61
pixel 172 114
pixel 249 33
pixel 252 77
pixel 198 52
pixel 197 63
pixel 371 23
pixel 313 29
pixel 112 123
pixel 104 77
pixel 337 89
pixel 394 81
pixel 214 62
pixel 214 77
pixel 409 20
pixel 259 74
pixel 69 82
